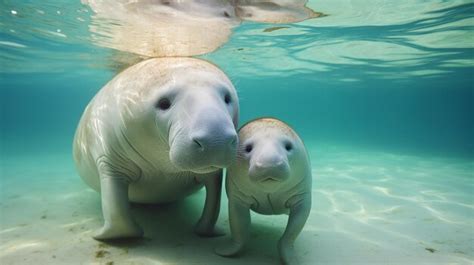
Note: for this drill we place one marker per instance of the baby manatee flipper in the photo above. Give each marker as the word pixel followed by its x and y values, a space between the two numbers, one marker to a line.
pixel 300 207
pixel 118 222
pixel 239 218
pixel 206 226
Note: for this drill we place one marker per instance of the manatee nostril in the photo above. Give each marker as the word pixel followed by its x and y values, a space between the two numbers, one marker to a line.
pixel 198 143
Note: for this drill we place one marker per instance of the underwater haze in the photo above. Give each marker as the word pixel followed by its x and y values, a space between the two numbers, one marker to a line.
pixel 381 92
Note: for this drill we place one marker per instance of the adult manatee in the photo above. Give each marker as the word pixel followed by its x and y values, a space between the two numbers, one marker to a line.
pixel 158 132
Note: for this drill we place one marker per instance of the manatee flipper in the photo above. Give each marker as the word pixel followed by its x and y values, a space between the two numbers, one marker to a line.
pixel 206 226
pixel 239 218
pixel 299 212
pixel 118 222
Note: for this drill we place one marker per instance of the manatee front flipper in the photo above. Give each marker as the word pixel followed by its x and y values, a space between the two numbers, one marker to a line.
pixel 118 222
pixel 205 227
pixel 299 212
pixel 239 218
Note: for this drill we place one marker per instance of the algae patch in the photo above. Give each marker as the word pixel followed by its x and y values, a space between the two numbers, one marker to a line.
pixel 101 253
pixel 432 250
pixel 274 28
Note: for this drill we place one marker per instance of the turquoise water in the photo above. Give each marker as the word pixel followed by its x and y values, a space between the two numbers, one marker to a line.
pixel 382 93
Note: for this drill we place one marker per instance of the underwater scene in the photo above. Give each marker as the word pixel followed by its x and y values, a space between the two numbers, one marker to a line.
pixel 380 92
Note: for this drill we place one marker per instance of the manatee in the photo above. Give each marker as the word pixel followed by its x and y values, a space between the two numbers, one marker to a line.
pixel 159 131
pixel 272 175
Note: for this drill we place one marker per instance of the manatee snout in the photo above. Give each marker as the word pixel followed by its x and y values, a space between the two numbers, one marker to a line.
pixel 213 132
pixel 214 142
pixel 269 169
pixel 210 143
pixel 215 147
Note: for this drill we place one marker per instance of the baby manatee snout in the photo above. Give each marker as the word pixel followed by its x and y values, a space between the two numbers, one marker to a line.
pixel 269 169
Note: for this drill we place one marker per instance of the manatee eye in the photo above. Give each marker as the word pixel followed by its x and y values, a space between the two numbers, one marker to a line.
pixel 227 98
pixel 163 104
pixel 248 148
pixel 226 14
pixel 288 146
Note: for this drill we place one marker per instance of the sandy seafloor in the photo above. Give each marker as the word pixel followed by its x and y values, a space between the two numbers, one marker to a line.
pixel 368 208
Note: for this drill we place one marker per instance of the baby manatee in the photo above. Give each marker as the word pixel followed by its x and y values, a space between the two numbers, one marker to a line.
pixel 272 175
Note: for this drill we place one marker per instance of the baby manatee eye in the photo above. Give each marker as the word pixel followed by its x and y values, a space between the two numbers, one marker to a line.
pixel 163 104
pixel 288 146
pixel 227 98
pixel 248 148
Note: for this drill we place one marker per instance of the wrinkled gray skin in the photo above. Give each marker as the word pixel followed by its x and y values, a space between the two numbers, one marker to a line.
pixel 131 145
pixel 272 176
